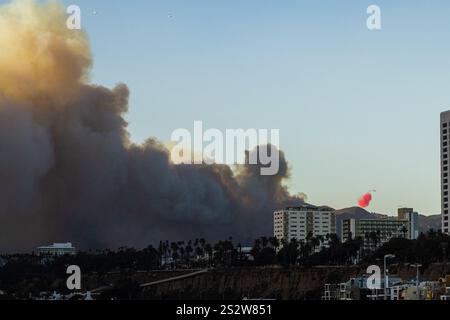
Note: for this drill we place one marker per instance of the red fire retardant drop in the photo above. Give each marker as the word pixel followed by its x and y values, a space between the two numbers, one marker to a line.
pixel 364 201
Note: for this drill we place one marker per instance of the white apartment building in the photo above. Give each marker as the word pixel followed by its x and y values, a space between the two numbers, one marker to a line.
pixel 445 145
pixel 406 225
pixel 298 222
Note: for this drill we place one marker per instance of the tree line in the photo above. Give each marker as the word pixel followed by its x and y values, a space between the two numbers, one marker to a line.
pixel 199 253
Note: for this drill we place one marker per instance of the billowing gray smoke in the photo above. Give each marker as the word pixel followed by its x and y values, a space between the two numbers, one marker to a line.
pixel 68 171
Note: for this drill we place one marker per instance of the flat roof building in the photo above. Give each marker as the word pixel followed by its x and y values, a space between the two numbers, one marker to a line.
pixel 56 249
pixel 376 232
pixel 299 222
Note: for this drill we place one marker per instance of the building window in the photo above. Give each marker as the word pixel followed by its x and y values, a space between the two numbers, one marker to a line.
pixel 444 125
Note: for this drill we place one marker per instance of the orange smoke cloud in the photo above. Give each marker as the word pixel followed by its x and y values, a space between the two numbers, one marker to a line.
pixel 40 58
pixel 364 201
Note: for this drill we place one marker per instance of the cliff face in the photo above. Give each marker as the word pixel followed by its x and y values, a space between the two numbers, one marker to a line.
pixel 431 273
pixel 273 283
pixel 252 283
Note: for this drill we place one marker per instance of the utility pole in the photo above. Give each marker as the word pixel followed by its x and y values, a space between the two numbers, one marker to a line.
pixel 444 246
pixel 417 265
pixel 386 281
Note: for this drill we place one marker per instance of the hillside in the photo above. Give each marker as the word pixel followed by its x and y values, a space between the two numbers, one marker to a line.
pixel 295 283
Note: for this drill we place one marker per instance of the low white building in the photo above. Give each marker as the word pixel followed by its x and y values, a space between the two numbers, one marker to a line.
pixel 56 249
pixel 246 252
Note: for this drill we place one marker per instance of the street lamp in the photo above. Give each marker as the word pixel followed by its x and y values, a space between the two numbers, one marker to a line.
pixel 417 265
pixel 386 284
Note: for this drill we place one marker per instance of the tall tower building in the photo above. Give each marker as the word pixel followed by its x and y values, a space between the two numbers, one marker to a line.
pixel 445 145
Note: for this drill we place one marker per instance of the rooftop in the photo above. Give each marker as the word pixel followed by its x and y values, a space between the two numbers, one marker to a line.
pixel 67 245
pixel 307 206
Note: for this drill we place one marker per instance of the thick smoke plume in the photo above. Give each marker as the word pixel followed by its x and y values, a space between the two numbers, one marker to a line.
pixel 69 172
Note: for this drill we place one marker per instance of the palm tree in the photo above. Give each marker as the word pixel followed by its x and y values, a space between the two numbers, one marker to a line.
pixel 321 239
pixel 293 251
pixel 404 231
pixel 264 241
pixel 431 233
pixel 274 242
pixel 327 238
pixel 373 238
pixel 160 253
pixel 315 242
pixel 203 244
pixel 189 251
pixel 240 255
pixel 378 238
pixel 209 251
pixel 183 253
pixel 257 245
pixel 174 247
pixel 367 238
pixel 199 252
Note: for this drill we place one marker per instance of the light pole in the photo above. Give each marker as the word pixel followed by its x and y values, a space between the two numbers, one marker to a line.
pixel 386 284
pixel 417 265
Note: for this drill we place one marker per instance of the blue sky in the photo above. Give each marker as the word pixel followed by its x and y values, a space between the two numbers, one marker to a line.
pixel 357 109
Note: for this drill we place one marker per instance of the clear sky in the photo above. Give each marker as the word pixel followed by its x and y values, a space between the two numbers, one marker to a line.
pixel 357 109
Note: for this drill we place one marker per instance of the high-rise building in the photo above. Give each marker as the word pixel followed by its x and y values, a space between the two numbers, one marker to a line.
pixel 445 140
pixel 299 222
